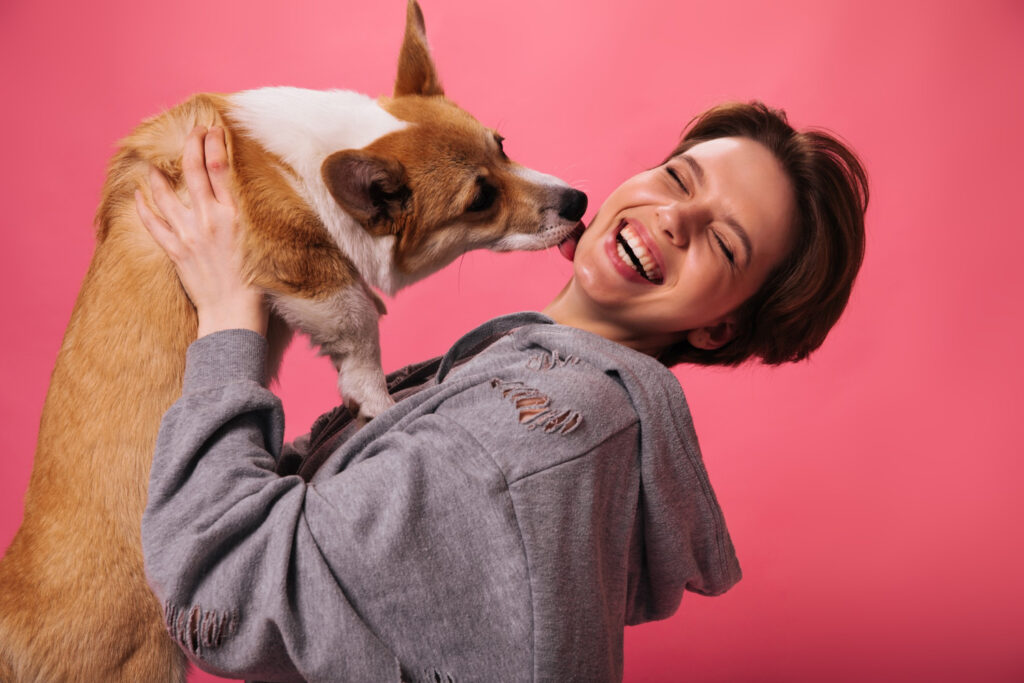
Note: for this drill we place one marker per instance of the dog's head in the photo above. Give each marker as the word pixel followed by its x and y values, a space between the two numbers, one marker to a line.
pixel 442 185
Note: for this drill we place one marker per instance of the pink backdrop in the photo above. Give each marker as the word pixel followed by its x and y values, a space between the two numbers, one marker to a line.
pixel 873 492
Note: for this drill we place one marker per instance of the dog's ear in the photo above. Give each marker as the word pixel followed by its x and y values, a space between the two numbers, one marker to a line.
pixel 417 74
pixel 370 188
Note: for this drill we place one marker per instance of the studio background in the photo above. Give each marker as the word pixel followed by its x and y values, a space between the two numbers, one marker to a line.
pixel 872 492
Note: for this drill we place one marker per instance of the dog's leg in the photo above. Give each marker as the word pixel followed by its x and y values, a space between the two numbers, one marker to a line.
pixel 353 345
pixel 310 283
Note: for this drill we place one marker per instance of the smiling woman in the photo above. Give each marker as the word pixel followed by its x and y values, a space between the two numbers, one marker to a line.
pixel 534 490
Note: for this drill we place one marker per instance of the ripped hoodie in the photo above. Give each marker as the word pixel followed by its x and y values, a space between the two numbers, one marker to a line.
pixel 504 523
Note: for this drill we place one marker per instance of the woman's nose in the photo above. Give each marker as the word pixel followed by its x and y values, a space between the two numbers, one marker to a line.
pixel 675 220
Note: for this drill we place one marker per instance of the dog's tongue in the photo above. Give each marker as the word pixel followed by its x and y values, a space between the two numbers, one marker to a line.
pixel 568 246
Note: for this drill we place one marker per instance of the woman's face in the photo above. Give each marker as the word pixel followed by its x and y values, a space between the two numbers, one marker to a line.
pixel 674 251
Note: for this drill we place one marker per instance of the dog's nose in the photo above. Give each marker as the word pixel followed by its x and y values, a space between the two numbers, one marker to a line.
pixel 574 204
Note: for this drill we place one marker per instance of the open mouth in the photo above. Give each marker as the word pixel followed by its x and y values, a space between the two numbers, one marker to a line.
pixel 634 253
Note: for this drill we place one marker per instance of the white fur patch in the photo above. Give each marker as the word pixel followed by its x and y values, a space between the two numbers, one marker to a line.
pixel 554 229
pixel 353 347
pixel 538 178
pixel 304 127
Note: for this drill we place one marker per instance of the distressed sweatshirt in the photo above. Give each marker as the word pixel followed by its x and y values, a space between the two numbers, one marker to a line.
pixel 504 523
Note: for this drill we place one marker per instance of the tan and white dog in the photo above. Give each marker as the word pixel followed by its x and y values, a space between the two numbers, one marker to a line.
pixel 340 194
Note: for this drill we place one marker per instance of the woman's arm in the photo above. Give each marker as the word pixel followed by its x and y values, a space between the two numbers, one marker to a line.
pixel 227 546
pixel 226 549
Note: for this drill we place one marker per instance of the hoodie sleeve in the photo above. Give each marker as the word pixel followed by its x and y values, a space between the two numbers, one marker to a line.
pixel 228 550
pixel 361 577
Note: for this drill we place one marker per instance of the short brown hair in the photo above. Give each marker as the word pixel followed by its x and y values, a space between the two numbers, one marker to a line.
pixel 793 311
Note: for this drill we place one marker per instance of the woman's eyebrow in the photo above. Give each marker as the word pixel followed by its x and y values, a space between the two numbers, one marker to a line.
pixel 695 168
pixel 698 174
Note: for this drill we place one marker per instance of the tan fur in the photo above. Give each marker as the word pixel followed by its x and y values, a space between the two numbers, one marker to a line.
pixel 74 603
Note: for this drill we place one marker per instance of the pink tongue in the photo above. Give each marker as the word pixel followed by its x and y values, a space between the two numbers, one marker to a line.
pixel 568 246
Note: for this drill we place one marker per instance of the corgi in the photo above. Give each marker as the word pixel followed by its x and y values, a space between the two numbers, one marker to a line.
pixel 340 195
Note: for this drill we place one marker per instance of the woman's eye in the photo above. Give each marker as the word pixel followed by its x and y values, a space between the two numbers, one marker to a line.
pixel 677 179
pixel 485 196
pixel 725 249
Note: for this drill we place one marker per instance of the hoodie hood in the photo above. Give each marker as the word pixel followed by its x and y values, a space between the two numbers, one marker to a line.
pixel 684 540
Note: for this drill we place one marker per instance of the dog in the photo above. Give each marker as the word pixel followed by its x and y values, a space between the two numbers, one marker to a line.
pixel 340 195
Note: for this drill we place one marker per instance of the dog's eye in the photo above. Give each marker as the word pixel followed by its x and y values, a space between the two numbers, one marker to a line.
pixel 485 196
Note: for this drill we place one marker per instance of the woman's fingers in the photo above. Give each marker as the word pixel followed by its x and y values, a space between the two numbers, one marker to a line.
pixel 206 167
pixel 217 165
pixel 202 239
pixel 157 227
pixel 193 164
pixel 166 200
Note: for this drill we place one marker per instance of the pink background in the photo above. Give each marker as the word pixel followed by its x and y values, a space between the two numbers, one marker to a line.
pixel 873 492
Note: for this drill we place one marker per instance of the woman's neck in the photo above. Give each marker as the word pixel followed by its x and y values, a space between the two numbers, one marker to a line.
pixel 569 308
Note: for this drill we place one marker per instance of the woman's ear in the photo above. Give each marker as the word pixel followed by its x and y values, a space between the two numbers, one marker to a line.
pixel 713 336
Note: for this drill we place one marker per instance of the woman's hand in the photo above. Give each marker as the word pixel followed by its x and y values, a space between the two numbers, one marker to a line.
pixel 203 241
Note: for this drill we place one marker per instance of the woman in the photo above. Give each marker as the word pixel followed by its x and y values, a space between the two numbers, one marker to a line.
pixel 538 487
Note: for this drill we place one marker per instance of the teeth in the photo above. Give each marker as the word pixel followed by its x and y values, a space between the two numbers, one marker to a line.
pixel 625 257
pixel 650 268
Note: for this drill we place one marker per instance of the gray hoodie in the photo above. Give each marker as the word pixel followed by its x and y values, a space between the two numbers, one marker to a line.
pixel 502 524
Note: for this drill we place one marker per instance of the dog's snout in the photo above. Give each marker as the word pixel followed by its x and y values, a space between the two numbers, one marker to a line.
pixel 572 205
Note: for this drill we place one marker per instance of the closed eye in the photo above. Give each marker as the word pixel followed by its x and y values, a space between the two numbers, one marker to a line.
pixel 725 250
pixel 679 181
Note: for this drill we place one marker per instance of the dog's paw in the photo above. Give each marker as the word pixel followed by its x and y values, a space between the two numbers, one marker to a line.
pixel 365 412
pixel 365 405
